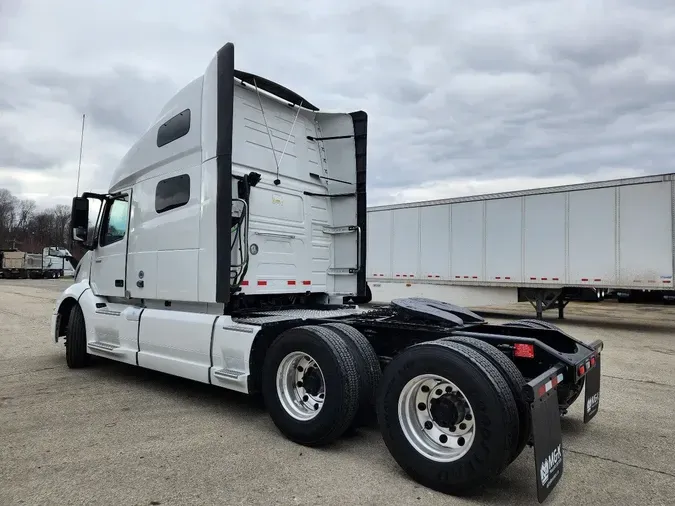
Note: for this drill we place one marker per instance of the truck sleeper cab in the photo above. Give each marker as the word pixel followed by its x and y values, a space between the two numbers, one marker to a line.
pixel 227 250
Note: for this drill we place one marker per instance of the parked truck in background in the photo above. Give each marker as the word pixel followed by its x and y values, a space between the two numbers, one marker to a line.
pixel 52 262
pixel 545 245
pixel 222 251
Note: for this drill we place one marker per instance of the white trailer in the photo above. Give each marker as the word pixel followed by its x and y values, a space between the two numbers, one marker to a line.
pixel 540 245
pixel 222 251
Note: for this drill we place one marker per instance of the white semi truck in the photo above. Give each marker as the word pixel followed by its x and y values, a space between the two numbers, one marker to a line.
pixel 222 252
pixel 542 245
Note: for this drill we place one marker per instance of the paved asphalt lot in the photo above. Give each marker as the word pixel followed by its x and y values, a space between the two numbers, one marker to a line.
pixel 115 434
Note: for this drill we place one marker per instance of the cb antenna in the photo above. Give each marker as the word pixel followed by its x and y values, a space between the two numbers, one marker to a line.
pixel 79 165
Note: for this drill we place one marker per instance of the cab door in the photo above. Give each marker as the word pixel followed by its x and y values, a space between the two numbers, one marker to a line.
pixel 108 268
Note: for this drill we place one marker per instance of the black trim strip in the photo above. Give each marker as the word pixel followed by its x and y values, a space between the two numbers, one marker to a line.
pixel 310 138
pixel 213 331
pixel 312 194
pixel 274 88
pixel 360 121
pixel 319 176
pixel 225 91
pixel 138 334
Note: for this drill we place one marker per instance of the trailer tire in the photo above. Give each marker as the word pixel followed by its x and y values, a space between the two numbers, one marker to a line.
pixel 369 370
pixel 301 410
pixel 491 405
pixel 515 380
pixel 76 339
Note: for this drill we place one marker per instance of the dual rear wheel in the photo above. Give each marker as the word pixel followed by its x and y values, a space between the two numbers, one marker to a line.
pixel 450 411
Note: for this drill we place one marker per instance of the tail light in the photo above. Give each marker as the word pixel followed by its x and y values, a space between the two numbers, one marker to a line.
pixel 522 350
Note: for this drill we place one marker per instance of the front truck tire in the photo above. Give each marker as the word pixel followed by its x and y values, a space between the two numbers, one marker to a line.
pixel 76 339
pixel 310 385
pixel 447 416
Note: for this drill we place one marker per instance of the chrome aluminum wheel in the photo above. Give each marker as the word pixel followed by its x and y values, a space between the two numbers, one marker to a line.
pixel 301 386
pixel 436 418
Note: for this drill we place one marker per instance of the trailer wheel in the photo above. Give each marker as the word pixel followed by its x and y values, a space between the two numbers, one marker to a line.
pixel 447 416
pixel 516 382
pixel 369 370
pixel 76 339
pixel 310 385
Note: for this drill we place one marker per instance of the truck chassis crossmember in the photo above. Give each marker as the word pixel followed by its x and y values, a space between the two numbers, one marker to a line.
pixel 229 255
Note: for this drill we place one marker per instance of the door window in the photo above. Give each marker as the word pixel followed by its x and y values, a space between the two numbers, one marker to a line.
pixel 115 225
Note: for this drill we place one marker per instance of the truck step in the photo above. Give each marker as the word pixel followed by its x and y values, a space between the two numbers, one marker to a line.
pixel 105 347
pixel 227 374
pixel 342 271
pixel 340 230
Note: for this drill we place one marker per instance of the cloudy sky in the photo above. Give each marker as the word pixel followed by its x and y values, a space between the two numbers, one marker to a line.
pixel 463 97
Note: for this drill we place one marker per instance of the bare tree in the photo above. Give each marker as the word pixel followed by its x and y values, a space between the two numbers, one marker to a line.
pixel 23 227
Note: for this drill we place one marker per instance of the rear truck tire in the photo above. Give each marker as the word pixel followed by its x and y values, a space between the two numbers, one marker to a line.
pixel 369 370
pixel 310 385
pixel 516 382
pixel 447 416
pixel 76 339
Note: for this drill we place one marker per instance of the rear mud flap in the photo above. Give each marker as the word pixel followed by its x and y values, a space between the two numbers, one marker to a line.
pixel 546 432
pixel 592 395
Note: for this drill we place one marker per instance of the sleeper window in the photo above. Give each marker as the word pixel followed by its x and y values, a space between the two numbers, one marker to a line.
pixel 172 193
pixel 116 224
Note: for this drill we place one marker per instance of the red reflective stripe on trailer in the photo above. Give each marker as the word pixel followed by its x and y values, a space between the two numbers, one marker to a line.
pixel 533 279
pixel 466 277
pixel 412 275
pixel 457 277
pixel 474 277
pixel 542 390
pixel 507 277
pixel 597 279
pixel 544 279
pixel 555 279
pixel 244 283
pixel 398 275
pixel 291 282
pixel 498 277
pixel 262 283
pixel 306 282
pixel 584 279
pixel 429 276
pixel 405 275
pixel 437 276
pixel 666 281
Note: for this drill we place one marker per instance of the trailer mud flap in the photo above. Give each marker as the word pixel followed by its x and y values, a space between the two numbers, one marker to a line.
pixel 592 394
pixel 546 432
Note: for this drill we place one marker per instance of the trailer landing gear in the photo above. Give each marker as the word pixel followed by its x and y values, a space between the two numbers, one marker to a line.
pixel 543 299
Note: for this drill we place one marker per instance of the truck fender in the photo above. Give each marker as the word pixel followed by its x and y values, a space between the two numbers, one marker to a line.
pixel 66 301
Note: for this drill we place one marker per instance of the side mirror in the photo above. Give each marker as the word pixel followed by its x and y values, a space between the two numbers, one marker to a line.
pixel 79 219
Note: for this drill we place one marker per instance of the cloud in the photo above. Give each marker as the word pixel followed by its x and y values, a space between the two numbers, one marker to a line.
pixel 461 96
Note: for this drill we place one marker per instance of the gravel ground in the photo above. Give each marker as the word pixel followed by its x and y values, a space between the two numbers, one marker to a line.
pixel 115 434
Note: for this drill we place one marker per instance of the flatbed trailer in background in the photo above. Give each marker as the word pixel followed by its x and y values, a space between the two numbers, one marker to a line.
pixel 545 245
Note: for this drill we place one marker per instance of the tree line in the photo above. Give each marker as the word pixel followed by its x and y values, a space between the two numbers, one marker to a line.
pixel 25 228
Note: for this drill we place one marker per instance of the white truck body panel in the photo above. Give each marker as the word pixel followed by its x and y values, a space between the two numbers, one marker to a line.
pixel 610 234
